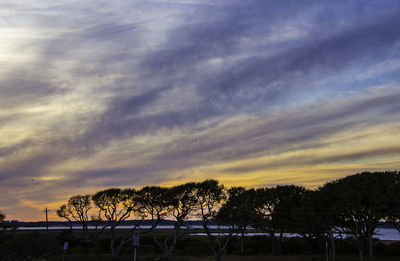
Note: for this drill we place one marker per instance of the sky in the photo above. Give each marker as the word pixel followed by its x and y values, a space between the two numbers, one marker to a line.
pixel 98 94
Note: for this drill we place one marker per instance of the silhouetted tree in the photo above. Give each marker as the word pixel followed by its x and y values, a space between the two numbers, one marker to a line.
pixel 394 202
pixel 2 217
pixel 155 204
pixel 361 203
pixel 210 195
pixel 9 227
pixel 65 212
pixel 77 210
pixel 274 211
pixel 315 219
pixel 263 218
pixel 115 206
pixel 182 203
pixel 238 211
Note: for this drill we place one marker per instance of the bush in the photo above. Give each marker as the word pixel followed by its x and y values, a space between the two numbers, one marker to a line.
pixel 33 244
pixel 294 245
pixel 147 250
pixel 190 246
pixel 67 236
pixel 346 246
pixel 392 249
pixel 378 247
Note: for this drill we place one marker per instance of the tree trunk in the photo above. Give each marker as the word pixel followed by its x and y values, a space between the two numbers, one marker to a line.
pixel 273 239
pixel 370 243
pixel 118 249
pixel 280 242
pixel 113 253
pixel 220 257
pixel 333 245
pixel 167 250
pixel 361 255
pixel 112 246
pixel 242 244
pixel 168 253
pixel 221 249
pixel 371 248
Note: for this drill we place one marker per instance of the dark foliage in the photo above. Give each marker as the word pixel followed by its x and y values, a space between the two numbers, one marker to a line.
pixel 353 206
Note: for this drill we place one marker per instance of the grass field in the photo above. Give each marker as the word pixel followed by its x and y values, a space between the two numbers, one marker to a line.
pixel 192 248
pixel 228 258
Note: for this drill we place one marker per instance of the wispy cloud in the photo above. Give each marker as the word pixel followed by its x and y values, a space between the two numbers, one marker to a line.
pixel 96 94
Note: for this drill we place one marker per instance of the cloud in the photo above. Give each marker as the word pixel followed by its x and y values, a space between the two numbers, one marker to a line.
pixel 227 89
pixel 252 137
pixel 306 160
pixel 162 91
pixel 32 89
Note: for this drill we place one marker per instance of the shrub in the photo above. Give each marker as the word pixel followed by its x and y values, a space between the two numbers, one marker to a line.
pixel 392 249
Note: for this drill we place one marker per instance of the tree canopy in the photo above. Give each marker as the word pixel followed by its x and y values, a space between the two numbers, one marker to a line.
pixel 354 206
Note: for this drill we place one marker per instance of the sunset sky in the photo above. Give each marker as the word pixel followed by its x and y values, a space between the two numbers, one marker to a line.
pixel 95 94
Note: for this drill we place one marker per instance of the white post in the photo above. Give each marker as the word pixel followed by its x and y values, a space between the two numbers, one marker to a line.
pixel 135 243
pixel 327 251
pixel 65 248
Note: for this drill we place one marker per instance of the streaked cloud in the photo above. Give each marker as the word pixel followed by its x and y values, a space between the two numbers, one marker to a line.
pixel 98 93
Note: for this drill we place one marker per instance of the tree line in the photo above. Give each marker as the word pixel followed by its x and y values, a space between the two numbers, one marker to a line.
pixel 353 206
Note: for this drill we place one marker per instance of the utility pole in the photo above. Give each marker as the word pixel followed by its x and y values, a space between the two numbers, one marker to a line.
pixel 47 219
